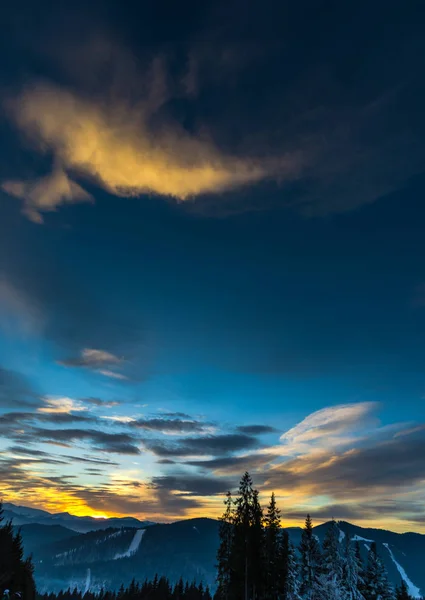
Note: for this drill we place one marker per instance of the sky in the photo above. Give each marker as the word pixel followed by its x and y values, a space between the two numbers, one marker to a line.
pixel 212 258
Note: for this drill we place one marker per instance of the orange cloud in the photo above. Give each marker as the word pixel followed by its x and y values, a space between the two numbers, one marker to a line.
pixel 113 143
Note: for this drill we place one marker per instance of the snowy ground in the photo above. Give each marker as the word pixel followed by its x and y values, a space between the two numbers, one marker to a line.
pixel 411 587
pixel 134 545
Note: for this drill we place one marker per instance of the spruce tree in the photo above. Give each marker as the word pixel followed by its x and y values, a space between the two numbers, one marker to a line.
pixel 247 566
pixel 224 553
pixel 377 586
pixel 292 591
pixel 310 562
pixel 276 553
pixel 16 572
pixel 352 582
pixel 332 559
pixel 402 592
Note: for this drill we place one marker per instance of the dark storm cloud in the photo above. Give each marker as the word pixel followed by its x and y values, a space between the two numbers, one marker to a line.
pixel 171 425
pixel 256 429
pixel 196 486
pixel 117 443
pixel 212 444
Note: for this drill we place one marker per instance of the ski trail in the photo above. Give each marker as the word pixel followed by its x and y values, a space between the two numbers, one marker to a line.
pixel 411 587
pixel 134 546
pixel 341 535
pixel 359 538
pixel 88 581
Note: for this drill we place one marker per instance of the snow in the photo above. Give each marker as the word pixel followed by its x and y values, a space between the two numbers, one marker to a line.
pixel 196 529
pixel 134 545
pixel 411 587
pixel 88 581
pixel 358 538
pixel 341 535
pixel 367 547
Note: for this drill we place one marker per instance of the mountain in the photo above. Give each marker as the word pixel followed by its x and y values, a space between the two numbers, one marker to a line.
pixel 116 553
pixel 22 515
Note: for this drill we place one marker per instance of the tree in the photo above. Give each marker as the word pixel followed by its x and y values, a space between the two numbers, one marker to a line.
pixel 276 556
pixel 292 591
pixel 377 586
pixel 352 581
pixel 16 572
pixel 224 553
pixel 332 560
pixel 310 562
pixel 247 555
pixel 402 592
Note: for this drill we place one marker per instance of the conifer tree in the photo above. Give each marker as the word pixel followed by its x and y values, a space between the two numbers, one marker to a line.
pixel 377 586
pixel 352 582
pixel 224 553
pixel 274 547
pixel 292 590
pixel 310 562
pixel 247 566
pixel 402 592
pixel 332 559
pixel 16 573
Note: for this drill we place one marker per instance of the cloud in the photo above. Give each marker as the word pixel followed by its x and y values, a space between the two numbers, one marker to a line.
pixel 256 429
pixel 212 444
pixel 61 406
pixel 196 486
pixel 46 194
pixel 329 427
pixel 91 358
pixel 236 464
pixel 98 402
pixel 112 142
pixel 96 360
pixel 175 426
pixel 119 419
pixel 116 443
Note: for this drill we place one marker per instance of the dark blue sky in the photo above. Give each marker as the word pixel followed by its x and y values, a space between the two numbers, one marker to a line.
pixel 212 217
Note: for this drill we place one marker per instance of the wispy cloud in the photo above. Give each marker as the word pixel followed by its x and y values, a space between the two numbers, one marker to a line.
pixel 329 427
pixel 46 193
pixel 97 360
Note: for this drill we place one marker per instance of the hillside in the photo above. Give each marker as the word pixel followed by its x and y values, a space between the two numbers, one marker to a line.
pixel 111 555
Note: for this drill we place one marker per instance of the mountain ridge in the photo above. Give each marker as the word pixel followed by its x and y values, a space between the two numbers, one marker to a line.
pixel 111 554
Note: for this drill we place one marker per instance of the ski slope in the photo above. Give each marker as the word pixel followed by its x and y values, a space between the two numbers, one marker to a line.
pixel 88 582
pixel 411 587
pixel 134 545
